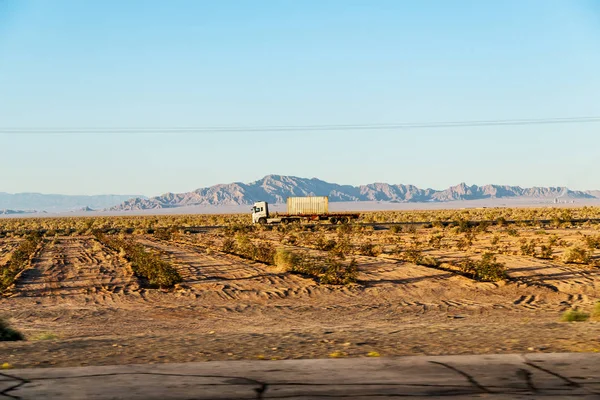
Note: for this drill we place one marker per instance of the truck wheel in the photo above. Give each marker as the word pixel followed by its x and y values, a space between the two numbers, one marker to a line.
pixel 285 221
pixel 333 220
pixel 262 220
pixel 344 220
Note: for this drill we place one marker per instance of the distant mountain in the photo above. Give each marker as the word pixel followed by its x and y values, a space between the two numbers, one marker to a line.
pixel 276 188
pixel 59 202
pixel 14 212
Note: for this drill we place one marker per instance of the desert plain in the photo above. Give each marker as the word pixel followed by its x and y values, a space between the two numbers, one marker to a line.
pixel 434 282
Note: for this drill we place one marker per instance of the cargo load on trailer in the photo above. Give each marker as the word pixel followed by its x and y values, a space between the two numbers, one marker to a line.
pixel 312 208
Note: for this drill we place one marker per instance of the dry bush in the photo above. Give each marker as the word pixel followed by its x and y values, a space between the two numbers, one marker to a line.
pixel 435 241
pixel 487 269
pixel 328 270
pixel 546 252
pixel 592 242
pixel 369 249
pixel 244 247
pixel 576 255
pixel 528 247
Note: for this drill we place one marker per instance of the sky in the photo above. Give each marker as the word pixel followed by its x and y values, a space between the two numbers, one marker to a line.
pixel 164 64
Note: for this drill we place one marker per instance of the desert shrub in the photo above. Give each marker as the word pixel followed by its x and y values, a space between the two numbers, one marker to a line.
pixel 396 229
pixel 435 241
pixel 512 232
pixel 463 243
pixel 574 316
pixel 244 247
pixel 145 264
pixel 495 240
pixel 463 226
pixel 228 245
pixel 369 249
pixel 8 334
pixel 592 242
pixel 342 248
pixel 413 255
pixel 528 247
pixel 483 227
pixel 576 255
pixel 546 252
pixel 328 270
pixel 19 260
pixel 325 245
pixel 486 269
pixel 163 234
pixel 285 259
pixel 428 261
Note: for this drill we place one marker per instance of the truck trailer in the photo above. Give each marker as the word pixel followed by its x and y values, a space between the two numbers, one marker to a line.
pixel 313 208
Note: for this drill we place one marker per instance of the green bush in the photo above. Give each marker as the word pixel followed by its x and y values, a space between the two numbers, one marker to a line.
pixel 574 316
pixel 487 269
pixel 8 334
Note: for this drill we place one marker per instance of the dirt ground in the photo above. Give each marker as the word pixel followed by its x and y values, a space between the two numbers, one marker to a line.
pixel 80 304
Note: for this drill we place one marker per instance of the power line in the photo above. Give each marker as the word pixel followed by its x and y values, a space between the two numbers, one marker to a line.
pixel 287 128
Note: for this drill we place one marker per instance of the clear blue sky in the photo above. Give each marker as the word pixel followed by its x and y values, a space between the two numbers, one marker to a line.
pixel 254 63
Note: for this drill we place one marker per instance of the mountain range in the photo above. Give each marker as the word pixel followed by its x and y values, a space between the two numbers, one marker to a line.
pixel 276 188
pixel 16 203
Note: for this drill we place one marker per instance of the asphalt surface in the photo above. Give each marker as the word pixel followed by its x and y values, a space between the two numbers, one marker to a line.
pixel 488 376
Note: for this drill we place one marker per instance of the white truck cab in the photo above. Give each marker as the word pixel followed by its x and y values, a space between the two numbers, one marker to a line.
pixel 260 212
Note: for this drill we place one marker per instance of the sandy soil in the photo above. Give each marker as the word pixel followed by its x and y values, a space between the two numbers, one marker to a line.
pixel 80 304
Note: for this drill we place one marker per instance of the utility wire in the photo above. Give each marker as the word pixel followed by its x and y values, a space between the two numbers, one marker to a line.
pixel 288 128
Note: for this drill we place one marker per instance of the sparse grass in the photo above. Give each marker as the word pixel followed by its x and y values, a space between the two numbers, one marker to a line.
pixel 8 334
pixel 45 336
pixel 574 316
pixel 596 312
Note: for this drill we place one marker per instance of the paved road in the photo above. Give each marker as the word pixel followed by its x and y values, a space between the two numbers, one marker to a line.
pixel 489 377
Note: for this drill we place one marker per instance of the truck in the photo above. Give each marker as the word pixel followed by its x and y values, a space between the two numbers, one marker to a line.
pixel 312 208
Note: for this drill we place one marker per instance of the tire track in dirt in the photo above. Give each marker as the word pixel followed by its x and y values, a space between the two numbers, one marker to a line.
pixel 7 247
pixel 228 277
pixel 70 267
